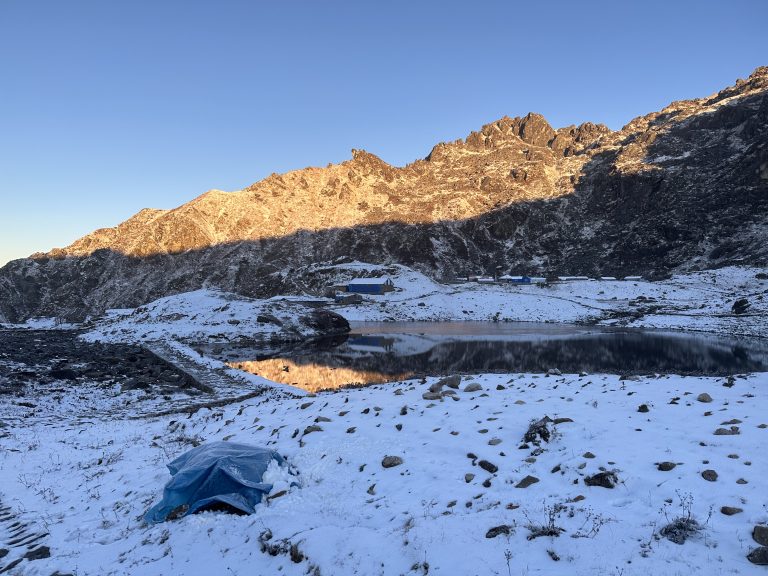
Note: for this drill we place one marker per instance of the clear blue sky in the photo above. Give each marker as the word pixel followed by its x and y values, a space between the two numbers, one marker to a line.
pixel 110 106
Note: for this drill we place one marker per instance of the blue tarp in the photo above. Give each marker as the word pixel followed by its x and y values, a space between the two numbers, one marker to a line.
pixel 217 474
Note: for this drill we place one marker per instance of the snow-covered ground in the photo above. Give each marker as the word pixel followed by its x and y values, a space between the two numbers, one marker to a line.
pixel 700 301
pixel 203 315
pixel 80 465
pixel 88 481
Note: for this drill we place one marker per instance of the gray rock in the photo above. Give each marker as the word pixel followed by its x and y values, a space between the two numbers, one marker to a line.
pixel 740 306
pixel 704 397
pixel 665 466
pixel 497 530
pixel 488 466
pixel 731 510
pixel 451 382
pixel 310 429
pixel 473 387
pixel 709 475
pixel 554 372
pixel 643 408
pixel 760 534
pixel 759 556
pixel 432 396
pixel 391 461
pixel 469 477
pixel 607 479
pixel 527 481
pixel 436 386
pixel 732 431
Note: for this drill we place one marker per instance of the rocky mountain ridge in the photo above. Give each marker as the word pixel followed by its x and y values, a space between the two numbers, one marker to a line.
pixel 679 189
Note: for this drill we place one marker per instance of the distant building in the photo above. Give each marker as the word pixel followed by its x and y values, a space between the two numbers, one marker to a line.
pixel 633 278
pixel 538 280
pixel 341 298
pixel 572 278
pixel 607 278
pixel 515 279
pixel 370 286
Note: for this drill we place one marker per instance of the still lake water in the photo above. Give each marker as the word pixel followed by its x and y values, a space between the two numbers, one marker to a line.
pixel 376 352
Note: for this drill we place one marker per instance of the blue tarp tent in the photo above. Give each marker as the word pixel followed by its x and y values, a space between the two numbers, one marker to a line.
pixel 215 475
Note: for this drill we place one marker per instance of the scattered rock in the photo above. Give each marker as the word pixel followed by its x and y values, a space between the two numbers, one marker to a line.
pixel 432 396
pixel 497 530
pixel 665 466
pixel 451 382
pixel 643 408
pixel 468 478
pixel 310 429
pixel 760 534
pixel 607 479
pixel 732 431
pixel 557 421
pixel 473 387
pixel 527 481
pixel 436 387
pixel 740 306
pixel 488 466
pixel 494 441
pixel 704 397
pixel 709 475
pixel 588 455
pixel 391 461
pixel 759 556
pixel 554 372
pixel 731 510
pixel 741 481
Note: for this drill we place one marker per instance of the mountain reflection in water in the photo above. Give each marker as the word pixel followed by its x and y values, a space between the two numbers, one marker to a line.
pixel 375 353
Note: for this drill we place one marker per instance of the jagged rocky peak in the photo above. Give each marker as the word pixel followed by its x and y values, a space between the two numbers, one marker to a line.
pixel 522 132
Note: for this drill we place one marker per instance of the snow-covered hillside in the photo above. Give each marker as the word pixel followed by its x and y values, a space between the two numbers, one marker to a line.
pixel 208 314
pixel 701 301
pixel 697 301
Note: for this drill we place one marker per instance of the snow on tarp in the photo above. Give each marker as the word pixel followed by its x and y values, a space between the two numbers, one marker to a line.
pixel 215 475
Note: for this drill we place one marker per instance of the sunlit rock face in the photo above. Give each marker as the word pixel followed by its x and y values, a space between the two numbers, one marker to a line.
pixel 679 189
pixel 315 377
